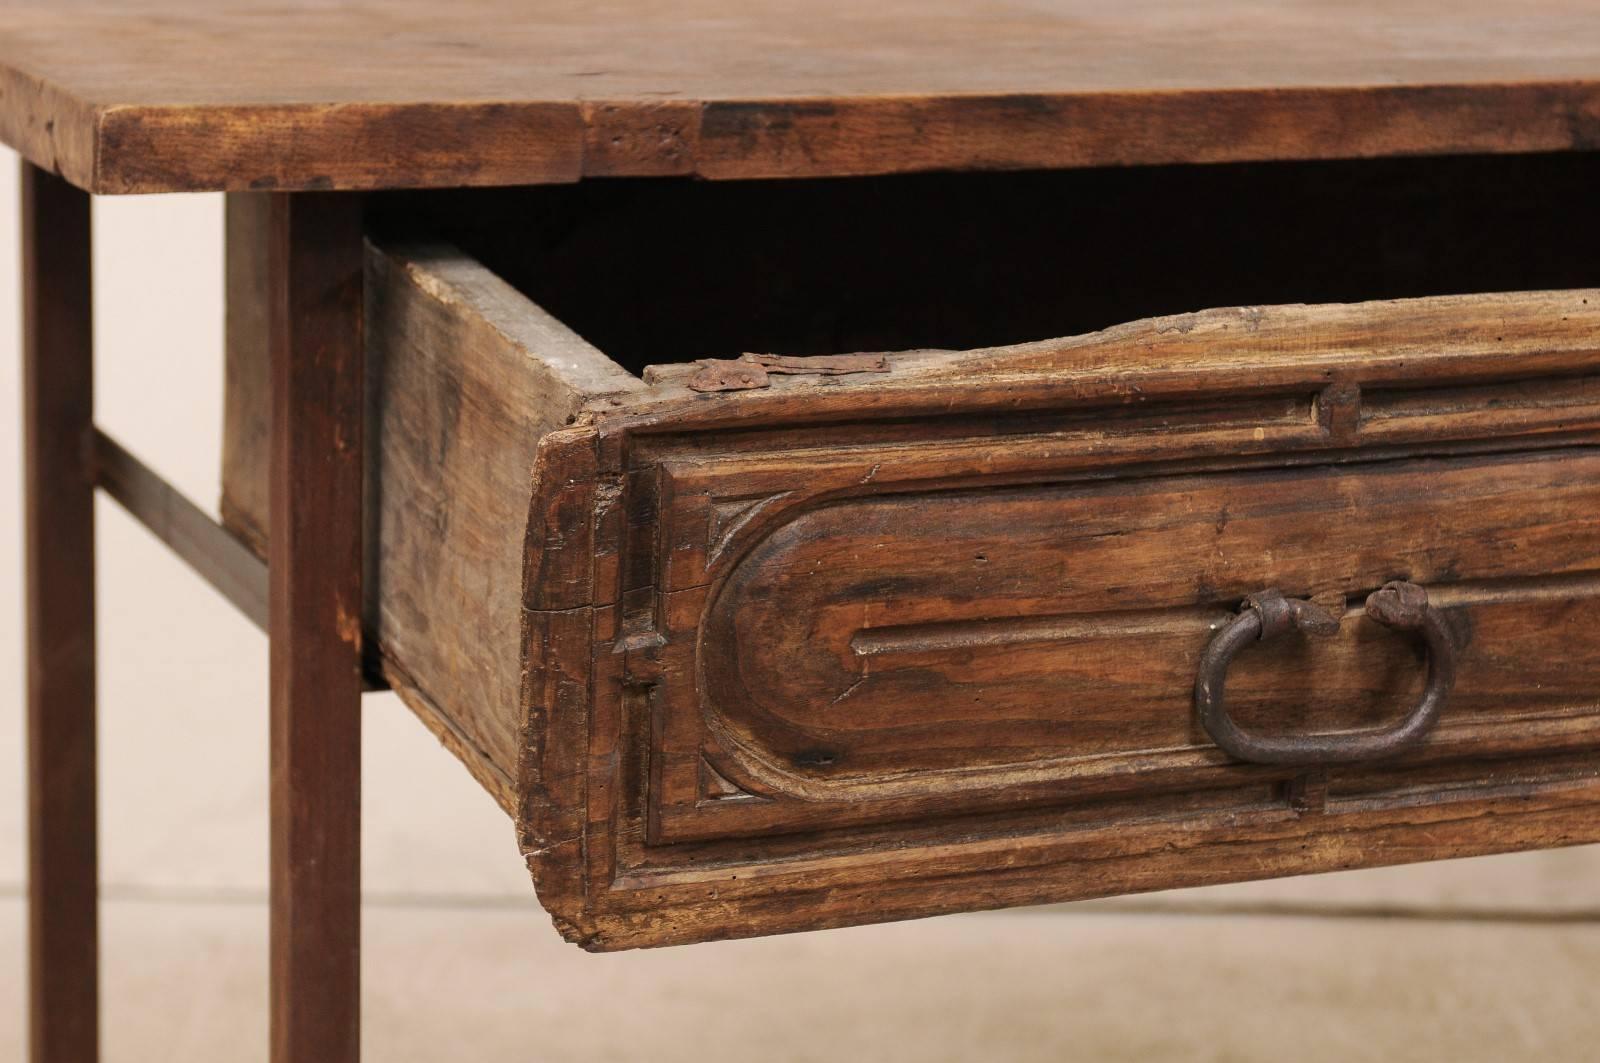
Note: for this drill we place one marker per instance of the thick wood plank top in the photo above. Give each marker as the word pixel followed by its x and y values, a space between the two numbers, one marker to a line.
pixel 165 95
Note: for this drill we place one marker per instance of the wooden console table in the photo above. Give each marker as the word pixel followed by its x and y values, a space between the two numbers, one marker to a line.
pixel 804 637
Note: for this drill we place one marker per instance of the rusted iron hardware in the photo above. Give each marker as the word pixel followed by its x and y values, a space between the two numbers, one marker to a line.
pixel 1402 606
pixel 756 370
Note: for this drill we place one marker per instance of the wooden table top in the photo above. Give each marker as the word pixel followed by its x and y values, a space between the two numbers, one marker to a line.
pixel 173 95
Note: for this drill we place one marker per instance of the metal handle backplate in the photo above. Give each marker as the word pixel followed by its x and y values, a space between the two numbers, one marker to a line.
pixel 1264 616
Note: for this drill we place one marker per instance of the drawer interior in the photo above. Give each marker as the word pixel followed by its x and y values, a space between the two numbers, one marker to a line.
pixel 665 271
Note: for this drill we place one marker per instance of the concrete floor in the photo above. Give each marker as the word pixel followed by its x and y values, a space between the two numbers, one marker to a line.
pixel 1493 959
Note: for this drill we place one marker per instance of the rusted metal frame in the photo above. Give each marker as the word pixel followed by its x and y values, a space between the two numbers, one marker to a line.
pixel 224 562
pixel 315 256
pixel 58 412
pixel 1398 605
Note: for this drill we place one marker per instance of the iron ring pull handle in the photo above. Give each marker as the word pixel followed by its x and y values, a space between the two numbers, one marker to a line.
pixel 1402 606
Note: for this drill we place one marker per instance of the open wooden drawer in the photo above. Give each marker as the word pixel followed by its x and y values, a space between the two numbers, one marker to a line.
pixel 773 644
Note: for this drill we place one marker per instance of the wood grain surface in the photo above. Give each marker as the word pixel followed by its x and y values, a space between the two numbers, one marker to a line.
pixel 167 95
pixel 314 271
pixel 467 376
pixel 843 649
pixel 247 385
pixel 1056 628
pixel 59 534
pixel 942 620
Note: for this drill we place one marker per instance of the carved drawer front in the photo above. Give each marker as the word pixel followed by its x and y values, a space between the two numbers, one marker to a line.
pixel 776 643
pixel 829 652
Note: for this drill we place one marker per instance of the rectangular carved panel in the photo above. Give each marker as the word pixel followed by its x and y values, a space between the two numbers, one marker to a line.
pixel 965 646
